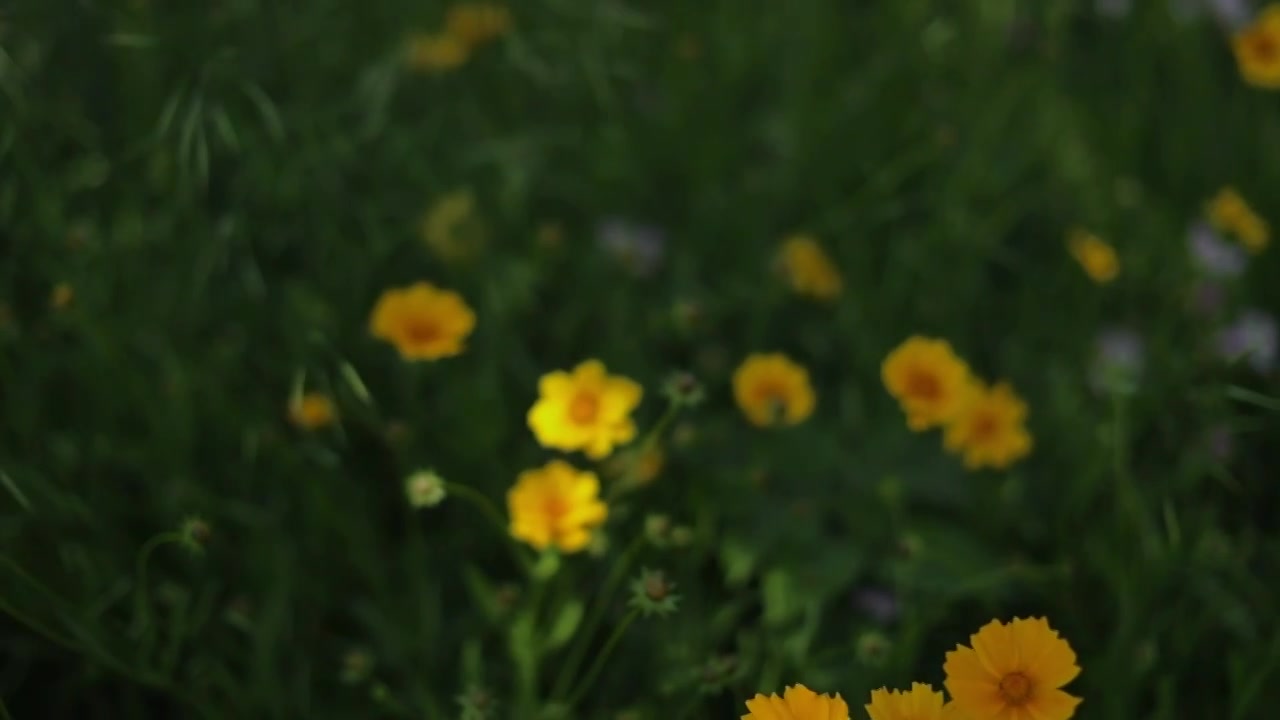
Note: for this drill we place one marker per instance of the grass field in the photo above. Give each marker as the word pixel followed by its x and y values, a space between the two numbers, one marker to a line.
pixel 623 360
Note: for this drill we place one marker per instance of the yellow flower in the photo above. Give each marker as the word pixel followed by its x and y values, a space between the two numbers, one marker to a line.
pixel 921 702
pixel 808 269
pixel 773 390
pixel 797 703
pixel 477 23
pixel 991 432
pixel 1227 209
pixel 1254 234
pixel 640 466
pixel 62 296
pixel 1098 258
pixel 423 322
pixel 587 410
pixel 930 382
pixel 312 411
pixel 556 504
pixel 1013 670
pixel 450 227
pixel 436 52
pixel 1257 49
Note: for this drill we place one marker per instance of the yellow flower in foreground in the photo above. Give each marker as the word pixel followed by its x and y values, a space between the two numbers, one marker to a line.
pixel 312 411
pixel 477 22
pixel 450 228
pixel 797 703
pixel 930 382
pixel 921 702
pixel 587 410
pixel 556 505
pixel 772 390
pixel 436 52
pixel 808 269
pixel 1098 258
pixel 1257 49
pixel 423 322
pixel 1014 671
pixel 991 432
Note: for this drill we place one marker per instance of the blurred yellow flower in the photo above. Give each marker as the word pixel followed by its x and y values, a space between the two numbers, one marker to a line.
pixel 436 52
pixel 586 409
pixel 477 22
pixel 797 703
pixel 921 702
pixel 1257 49
pixel 640 466
pixel 422 321
pixel 772 390
pixel 930 382
pixel 1098 258
pixel 556 505
pixel 1229 213
pixel 312 411
pixel 1013 670
pixel 991 432
pixel 808 269
pixel 451 229
pixel 62 296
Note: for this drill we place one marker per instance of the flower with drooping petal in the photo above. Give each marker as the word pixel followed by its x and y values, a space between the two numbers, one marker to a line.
pixel 921 702
pixel 556 505
pixel 931 383
pixel 477 23
pixel 586 409
pixel 1096 257
pixel 771 389
pixel 991 431
pixel 1229 213
pixel 1257 49
pixel 436 52
pixel 312 411
pixel 808 269
pixel 797 703
pixel 1013 670
pixel 422 321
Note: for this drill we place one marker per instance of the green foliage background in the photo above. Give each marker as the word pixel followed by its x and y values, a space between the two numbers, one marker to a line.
pixel 228 186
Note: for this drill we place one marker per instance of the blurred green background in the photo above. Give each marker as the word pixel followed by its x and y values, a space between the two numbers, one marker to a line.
pixel 225 188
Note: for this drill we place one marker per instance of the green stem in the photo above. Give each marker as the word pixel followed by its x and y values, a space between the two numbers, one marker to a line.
pixel 141 604
pixel 598 611
pixel 598 665
pixel 4 711
pixel 1125 487
pixel 490 511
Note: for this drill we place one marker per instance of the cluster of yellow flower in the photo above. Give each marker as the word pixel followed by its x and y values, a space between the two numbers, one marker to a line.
pixel 1013 671
pixel 1230 214
pixel 467 27
pixel 985 424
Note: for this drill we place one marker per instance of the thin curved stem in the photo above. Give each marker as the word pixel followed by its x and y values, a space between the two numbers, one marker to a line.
pixel 603 657
pixel 141 603
pixel 490 511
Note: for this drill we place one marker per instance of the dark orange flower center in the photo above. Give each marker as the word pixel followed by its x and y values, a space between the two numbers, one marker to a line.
pixel 984 427
pixel 422 332
pixel 555 507
pixel 773 395
pixel 924 385
pixel 1016 688
pixel 1264 47
pixel 584 407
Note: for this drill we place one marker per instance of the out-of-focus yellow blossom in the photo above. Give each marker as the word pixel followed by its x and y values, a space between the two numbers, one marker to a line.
pixel 1229 213
pixel 556 505
pixel 586 409
pixel 436 52
pixel 808 269
pixel 451 229
pixel 1095 255
pixel 991 432
pixel 772 390
pixel 1257 49
pixel 477 23
pixel 62 296
pixel 422 321
pixel 797 703
pixel 312 411
pixel 930 382
pixel 921 702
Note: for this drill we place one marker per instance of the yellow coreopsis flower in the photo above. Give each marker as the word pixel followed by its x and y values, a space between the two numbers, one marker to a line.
pixel 808 269
pixel 476 23
pixel 1013 670
pixel 312 411
pixel 422 321
pixel 797 703
pixel 991 431
pixel 921 702
pixel 772 390
pixel 931 383
pixel 1095 255
pixel 586 409
pixel 1229 213
pixel 436 52
pixel 450 228
pixel 556 505
pixel 1257 49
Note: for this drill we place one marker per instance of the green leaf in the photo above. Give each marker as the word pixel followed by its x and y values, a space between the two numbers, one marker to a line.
pixel 781 603
pixel 565 625
pixel 739 563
